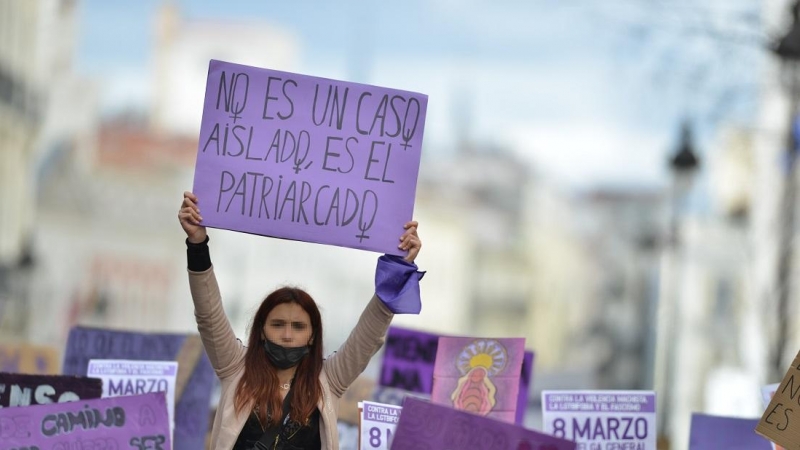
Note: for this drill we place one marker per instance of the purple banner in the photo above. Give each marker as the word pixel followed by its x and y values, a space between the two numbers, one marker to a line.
pixel 479 375
pixel 25 390
pixel 137 421
pixel 729 433
pixel 426 426
pixel 525 379
pixel 306 158
pixel 408 360
pixel 195 379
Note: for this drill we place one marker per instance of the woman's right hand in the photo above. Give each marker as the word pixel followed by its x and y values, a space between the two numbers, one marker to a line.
pixel 190 218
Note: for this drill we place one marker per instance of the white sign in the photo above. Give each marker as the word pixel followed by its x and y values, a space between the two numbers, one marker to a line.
pixel 125 377
pixel 602 420
pixel 377 422
pixel 766 395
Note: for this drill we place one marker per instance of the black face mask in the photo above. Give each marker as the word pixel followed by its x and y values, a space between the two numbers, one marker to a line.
pixel 283 357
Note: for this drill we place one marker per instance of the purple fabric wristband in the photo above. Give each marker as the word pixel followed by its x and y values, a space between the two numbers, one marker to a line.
pixel 397 284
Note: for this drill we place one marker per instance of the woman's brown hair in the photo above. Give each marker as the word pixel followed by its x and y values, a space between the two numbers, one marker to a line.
pixel 259 384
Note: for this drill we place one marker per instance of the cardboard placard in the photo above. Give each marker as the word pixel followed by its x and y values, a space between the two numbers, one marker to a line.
pixel 307 158
pixel 780 422
pixel 766 395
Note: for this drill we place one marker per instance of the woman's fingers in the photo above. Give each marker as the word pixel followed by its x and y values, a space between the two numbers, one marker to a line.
pixel 188 203
pixel 189 210
pixel 414 245
pixel 410 241
pixel 190 196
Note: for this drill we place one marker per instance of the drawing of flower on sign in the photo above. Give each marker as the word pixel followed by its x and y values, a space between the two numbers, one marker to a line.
pixel 479 375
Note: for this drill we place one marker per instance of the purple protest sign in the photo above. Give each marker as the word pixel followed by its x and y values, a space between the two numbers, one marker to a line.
pixel 479 375
pixel 306 158
pixel 427 426
pixel 25 390
pixel 526 376
pixel 137 421
pixel 731 433
pixel 195 378
pixel 408 360
pixel 602 418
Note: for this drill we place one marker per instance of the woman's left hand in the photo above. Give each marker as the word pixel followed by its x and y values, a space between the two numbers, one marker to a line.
pixel 410 241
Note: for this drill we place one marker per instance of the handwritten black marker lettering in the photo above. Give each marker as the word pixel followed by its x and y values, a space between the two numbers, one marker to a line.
pixel 372 159
pixel 333 104
pixel 267 98
pixel 408 132
pixel 228 91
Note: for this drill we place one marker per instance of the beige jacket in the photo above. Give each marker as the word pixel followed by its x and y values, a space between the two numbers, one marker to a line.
pixel 226 354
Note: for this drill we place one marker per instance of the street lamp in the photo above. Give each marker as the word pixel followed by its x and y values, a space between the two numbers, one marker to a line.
pixel 788 50
pixel 683 165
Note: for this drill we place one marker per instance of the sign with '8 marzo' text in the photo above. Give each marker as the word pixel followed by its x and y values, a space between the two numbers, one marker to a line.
pixel 602 420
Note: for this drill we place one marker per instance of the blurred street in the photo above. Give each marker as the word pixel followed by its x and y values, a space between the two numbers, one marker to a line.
pixel 613 181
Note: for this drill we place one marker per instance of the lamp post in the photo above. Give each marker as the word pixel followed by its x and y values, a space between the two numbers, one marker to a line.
pixel 788 50
pixel 683 166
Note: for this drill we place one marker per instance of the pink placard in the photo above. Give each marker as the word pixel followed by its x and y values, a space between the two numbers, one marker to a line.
pixel 306 158
pixel 479 375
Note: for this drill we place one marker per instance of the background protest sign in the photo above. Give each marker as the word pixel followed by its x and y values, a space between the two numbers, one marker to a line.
pixel 408 360
pixel 27 358
pixel 377 423
pixel 602 419
pixel 525 379
pixel 306 158
pixel 192 395
pixel 138 421
pixel 127 377
pixel 479 375
pixel 424 425
pixel 779 423
pixel 25 390
pixel 729 433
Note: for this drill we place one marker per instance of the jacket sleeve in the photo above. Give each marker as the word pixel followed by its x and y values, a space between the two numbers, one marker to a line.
pixel 225 352
pixel 344 366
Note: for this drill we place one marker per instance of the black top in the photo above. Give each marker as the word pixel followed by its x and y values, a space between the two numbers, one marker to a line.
pixel 289 435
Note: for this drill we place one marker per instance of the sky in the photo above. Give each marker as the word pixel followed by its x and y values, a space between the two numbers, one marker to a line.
pixel 591 93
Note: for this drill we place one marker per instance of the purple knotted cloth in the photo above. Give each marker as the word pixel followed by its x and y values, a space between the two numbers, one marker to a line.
pixel 397 284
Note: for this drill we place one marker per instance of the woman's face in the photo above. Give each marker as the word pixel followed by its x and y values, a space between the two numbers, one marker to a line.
pixel 289 325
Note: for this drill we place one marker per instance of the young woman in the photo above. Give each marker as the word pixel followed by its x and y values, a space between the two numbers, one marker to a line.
pixel 278 392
